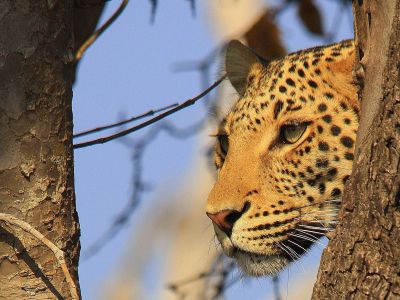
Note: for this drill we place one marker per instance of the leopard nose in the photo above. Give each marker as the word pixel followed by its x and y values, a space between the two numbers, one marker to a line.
pixel 225 219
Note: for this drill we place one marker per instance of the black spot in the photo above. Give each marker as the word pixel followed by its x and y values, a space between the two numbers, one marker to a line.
pixel 265 213
pixel 301 174
pixel 312 84
pixel 290 82
pixel 276 212
pixel 336 192
pixel 290 101
pixel 343 105
pixel 315 61
pixel 322 188
pixel 322 107
pixel 258 121
pixel 347 141
pixel 278 108
pixel 322 163
pixel 349 156
pixel 335 130
pixel 300 72
pixel 298 107
pixel 311 182
pixel 310 170
pixel 281 202
pixel 307 149
pixel 329 59
pixel 329 95
pixel 327 118
pixel 317 71
pixel 320 129
pixel 272 97
pixel 292 68
pixel 310 199
pixel 306 65
pixel 332 172
pixel 282 89
pixel 347 121
pixel 345 178
pixel 323 146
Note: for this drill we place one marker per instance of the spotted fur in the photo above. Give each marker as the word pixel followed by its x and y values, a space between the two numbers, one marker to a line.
pixel 283 196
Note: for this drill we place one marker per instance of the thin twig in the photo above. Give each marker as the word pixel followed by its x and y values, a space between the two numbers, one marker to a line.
pixel 135 118
pixel 99 31
pixel 185 104
pixel 275 284
pixel 139 185
pixel 58 253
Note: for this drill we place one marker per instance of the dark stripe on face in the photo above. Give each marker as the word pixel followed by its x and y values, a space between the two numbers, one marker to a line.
pixel 277 109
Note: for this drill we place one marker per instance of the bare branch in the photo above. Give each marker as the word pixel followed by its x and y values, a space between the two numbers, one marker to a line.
pixel 185 104
pixel 58 253
pixel 139 185
pixel 99 31
pixel 120 123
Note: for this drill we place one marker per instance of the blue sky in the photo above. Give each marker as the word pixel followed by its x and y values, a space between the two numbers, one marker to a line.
pixel 129 70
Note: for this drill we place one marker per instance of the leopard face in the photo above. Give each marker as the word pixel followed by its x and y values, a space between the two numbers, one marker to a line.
pixel 283 154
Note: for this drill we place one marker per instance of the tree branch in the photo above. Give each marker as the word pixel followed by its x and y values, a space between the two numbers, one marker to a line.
pixel 185 104
pixel 58 253
pixel 99 31
pixel 120 123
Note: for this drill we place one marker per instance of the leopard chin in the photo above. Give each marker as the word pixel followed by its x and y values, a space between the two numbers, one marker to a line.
pixel 260 265
pixel 254 264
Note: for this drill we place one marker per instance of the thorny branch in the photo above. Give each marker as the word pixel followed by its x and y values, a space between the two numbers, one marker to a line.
pixel 161 116
pixel 99 31
pixel 151 112
pixel 139 185
pixel 216 279
pixel 58 253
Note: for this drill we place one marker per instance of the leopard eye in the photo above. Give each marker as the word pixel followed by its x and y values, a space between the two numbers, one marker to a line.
pixel 290 134
pixel 223 143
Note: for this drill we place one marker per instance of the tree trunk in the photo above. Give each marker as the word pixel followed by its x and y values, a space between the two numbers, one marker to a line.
pixel 362 260
pixel 36 157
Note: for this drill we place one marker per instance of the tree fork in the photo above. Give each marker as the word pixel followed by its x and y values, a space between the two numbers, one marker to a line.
pixel 36 156
pixel 362 260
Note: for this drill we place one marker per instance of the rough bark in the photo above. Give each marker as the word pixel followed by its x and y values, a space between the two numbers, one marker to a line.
pixel 36 157
pixel 362 260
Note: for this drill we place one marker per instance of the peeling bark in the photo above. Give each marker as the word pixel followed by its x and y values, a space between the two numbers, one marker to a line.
pixel 36 157
pixel 362 260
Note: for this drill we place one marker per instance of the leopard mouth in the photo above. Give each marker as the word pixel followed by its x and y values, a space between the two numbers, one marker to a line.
pixel 286 252
pixel 255 264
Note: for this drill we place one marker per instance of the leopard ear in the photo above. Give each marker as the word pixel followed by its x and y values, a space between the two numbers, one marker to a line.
pixel 239 62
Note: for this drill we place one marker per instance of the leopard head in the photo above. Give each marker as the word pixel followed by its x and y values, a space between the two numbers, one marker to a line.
pixel 283 153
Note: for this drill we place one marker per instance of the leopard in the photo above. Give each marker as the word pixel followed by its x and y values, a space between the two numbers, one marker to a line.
pixel 283 153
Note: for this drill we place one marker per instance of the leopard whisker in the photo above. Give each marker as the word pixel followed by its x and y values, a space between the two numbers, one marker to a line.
pixel 301 247
pixel 310 238
pixel 316 228
pixel 311 232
